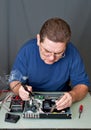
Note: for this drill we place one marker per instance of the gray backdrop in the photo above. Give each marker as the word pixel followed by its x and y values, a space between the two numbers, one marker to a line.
pixel 21 20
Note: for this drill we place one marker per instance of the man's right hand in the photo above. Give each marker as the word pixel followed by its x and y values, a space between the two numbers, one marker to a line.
pixel 18 89
pixel 25 94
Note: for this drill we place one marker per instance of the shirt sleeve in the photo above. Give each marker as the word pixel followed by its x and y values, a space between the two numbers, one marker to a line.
pixel 78 73
pixel 19 69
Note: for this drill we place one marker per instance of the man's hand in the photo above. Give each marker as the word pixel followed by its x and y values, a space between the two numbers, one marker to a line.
pixel 64 102
pixel 23 93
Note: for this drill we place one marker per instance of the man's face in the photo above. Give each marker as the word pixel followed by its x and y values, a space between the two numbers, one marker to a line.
pixel 51 52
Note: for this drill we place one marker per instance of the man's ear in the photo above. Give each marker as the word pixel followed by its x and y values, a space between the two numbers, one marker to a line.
pixel 38 39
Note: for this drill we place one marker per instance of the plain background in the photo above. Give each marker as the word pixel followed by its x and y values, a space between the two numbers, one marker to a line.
pixel 21 20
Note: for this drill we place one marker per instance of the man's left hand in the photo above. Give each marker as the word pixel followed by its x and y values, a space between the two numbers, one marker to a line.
pixel 64 102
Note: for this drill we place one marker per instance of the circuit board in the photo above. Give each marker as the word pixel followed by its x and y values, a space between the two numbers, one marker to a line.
pixel 16 104
pixel 43 106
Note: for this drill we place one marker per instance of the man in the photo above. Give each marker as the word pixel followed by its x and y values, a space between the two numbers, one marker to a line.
pixel 50 63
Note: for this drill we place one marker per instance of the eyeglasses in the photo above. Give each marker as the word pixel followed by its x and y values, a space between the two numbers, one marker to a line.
pixel 47 53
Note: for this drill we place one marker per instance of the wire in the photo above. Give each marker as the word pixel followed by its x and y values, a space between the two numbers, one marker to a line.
pixel 19 83
pixel 4 91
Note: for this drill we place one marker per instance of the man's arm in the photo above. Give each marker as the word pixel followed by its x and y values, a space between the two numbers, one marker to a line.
pixel 76 94
pixel 15 86
pixel 18 89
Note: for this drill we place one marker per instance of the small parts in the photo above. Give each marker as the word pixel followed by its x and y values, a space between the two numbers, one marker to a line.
pixel 30 115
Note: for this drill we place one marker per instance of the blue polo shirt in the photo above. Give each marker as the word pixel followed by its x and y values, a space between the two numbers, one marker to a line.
pixel 31 69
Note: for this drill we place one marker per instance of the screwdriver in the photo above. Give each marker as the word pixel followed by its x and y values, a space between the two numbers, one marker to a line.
pixel 30 93
pixel 80 110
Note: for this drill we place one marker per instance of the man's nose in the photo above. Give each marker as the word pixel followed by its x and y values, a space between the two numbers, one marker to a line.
pixel 52 56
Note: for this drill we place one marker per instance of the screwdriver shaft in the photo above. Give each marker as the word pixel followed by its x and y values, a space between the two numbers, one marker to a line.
pixel 79 114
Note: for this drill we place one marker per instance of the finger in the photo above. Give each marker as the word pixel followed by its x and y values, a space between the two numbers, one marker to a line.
pixel 65 99
pixel 64 102
pixel 61 100
pixel 63 106
pixel 29 88
pixel 25 98
pixel 23 94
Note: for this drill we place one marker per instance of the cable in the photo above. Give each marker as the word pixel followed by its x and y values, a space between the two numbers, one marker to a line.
pixel 19 83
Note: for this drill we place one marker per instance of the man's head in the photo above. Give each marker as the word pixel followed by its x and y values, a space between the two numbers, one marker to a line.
pixel 55 29
pixel 52 39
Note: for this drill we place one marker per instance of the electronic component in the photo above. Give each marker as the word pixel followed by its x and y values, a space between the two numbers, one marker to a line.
pixel 17 104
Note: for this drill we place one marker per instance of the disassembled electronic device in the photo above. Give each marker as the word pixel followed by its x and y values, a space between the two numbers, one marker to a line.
pixel 40 105
pixel 43 106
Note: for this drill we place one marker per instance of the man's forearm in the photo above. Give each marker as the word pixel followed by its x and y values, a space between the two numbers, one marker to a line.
pixel 15 85
pixel 78 92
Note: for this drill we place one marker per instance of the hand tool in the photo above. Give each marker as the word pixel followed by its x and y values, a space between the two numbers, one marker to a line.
pixel 80 110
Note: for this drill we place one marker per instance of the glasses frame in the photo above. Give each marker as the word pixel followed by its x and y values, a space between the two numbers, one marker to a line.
pixel 46 53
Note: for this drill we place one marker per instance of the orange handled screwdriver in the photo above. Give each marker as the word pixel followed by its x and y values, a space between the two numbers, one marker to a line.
pixel 80 110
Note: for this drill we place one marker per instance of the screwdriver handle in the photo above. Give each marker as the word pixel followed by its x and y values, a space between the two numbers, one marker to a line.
pixel 30 93
pixel 81 108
